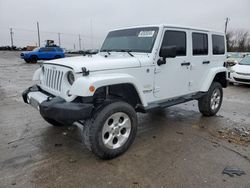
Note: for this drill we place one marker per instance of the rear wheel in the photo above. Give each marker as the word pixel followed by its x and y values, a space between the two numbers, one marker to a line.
pixel 111 130
pixel 210 104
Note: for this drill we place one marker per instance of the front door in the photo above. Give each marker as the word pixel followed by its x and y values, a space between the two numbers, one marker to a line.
pixel 172 78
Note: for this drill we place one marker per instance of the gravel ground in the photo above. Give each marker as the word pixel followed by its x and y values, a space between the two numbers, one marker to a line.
pixel 175 147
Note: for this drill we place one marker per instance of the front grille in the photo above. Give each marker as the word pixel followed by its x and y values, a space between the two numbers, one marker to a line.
pixel 242 80
pixel 53 79
pixel 244 74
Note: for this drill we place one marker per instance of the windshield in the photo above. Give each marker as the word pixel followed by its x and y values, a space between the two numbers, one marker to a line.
pixel 235 55
pixel 132 40
pixel 245 61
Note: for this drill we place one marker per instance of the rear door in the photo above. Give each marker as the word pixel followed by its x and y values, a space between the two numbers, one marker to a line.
pixel 200 59
pixel 172 78
pixel 47 53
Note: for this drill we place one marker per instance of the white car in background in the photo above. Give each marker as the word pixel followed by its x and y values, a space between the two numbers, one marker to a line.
pixel 233 59
pixel 240 73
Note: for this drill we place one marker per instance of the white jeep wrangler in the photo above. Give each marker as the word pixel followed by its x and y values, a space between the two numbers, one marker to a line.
pixel 137 70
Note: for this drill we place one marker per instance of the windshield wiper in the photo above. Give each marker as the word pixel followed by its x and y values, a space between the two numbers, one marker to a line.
pixel 128 51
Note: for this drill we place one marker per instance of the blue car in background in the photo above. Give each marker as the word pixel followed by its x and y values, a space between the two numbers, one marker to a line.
pixel 43 53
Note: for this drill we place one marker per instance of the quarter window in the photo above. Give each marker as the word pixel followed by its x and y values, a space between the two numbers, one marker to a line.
pixel 218 44
pixel 200 44
pixel 177 39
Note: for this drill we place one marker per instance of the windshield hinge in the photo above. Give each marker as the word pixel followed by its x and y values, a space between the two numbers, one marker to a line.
pixel 85 72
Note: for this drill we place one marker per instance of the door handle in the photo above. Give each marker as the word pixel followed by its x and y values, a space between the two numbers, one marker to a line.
pixel 206 62
pixel 186 64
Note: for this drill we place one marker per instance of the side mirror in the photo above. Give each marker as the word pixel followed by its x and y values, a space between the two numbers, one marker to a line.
pixel 166 52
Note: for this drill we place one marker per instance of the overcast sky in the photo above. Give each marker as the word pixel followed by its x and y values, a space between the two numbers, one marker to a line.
pixel 76 16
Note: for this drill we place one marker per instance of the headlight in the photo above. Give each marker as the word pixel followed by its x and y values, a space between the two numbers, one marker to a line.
pixel 70 77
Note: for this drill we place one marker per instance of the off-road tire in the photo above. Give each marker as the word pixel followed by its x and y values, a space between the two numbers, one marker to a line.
pixel 204 103
pixel 92 131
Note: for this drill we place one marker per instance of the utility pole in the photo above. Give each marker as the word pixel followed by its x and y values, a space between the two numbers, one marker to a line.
pixel 59 39
pixel 226 24
pixel 11 37
pixel 38 34
pixel 91 32
pixel 80 47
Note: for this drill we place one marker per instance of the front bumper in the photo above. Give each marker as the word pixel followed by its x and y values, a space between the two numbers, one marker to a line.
pixel 56 108
pixel 237 78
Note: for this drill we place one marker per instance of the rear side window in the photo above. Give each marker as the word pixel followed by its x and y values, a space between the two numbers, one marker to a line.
pixel 176 38
pixel 218 44
pixel 200 44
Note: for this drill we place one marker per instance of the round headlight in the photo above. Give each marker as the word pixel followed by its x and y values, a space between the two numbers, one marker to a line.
pixel 70 77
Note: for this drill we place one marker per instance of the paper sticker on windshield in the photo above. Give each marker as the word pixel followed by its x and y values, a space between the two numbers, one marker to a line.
pixel 146 34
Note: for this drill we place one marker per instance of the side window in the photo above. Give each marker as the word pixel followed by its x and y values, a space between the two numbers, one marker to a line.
pixel 42 49
pixel 178 39
pixel 218 44
pixel 49 49
pixel 200 44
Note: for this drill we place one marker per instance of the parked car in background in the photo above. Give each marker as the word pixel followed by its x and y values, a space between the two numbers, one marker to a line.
pixel 43 53
pixel 233 59
pixel 240 73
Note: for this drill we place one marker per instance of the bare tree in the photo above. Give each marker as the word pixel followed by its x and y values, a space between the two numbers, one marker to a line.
pixel 238 40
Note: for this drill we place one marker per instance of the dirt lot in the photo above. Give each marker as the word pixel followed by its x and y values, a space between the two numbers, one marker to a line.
pixel 176 147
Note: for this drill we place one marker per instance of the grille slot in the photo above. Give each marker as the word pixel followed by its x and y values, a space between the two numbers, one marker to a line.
pixel 242 80
pixel 244 74
pixel 53 79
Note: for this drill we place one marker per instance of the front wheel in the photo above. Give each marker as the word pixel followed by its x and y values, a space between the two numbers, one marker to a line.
pixel 210 104
pixel 33 59
pixel 111 130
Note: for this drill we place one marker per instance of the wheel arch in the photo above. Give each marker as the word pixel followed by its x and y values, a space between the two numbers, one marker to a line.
pixel 215 74
pixel 115 82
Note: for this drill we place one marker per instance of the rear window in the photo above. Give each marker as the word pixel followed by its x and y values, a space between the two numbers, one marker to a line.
pixel 176 38
pixel 200 44
pixel 218 44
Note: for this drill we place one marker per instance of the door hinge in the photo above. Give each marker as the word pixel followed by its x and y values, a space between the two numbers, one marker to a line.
pixel 157 71
pixel 190 83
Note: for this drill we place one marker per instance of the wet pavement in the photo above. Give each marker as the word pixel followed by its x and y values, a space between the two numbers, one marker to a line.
pixel 175 147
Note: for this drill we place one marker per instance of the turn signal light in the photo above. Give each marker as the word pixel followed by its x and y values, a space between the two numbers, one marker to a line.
pixel 91 89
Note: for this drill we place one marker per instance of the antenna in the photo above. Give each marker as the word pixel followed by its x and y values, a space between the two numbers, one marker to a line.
pixel 11 37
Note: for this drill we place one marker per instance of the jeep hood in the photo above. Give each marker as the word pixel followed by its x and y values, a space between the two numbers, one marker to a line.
pixel 97 62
